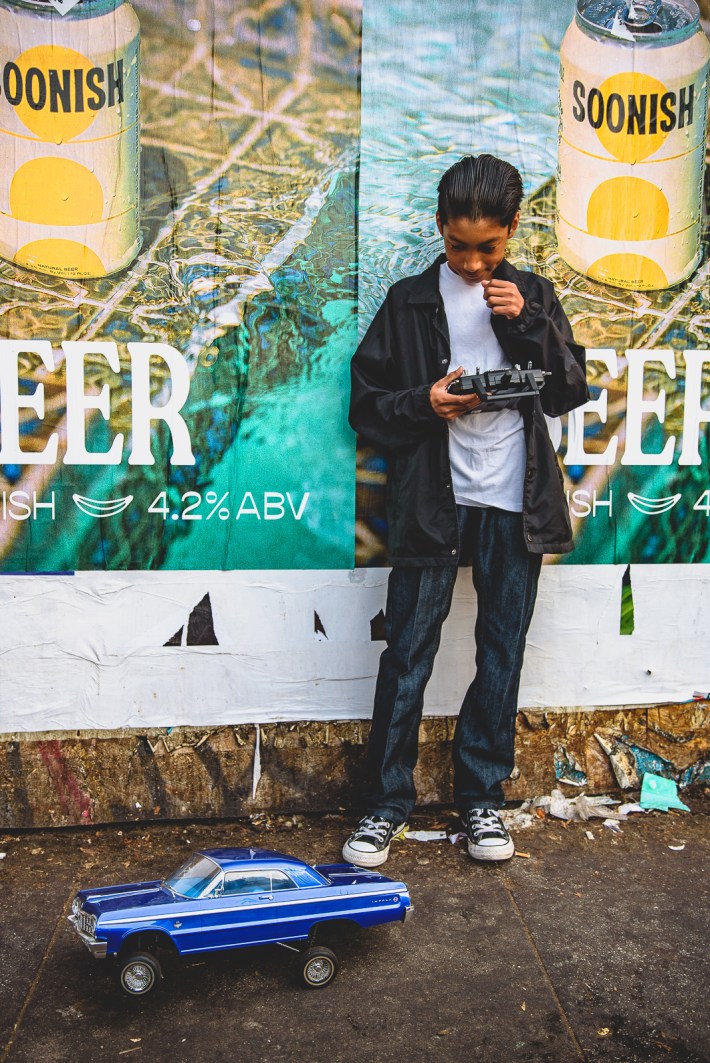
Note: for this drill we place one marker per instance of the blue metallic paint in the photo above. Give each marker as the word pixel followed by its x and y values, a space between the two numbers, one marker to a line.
pixel 214 922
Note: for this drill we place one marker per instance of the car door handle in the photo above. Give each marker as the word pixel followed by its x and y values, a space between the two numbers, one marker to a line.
pixel 265 897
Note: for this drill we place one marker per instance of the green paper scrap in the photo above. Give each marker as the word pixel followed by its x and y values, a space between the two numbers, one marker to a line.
pixel 626 623
pixel 657 792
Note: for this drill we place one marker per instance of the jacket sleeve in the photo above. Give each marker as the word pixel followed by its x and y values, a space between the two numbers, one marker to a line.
pixel 543 335
pixel 381 409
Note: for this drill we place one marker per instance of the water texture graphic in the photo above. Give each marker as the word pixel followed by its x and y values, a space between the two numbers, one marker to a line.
pixel 249 136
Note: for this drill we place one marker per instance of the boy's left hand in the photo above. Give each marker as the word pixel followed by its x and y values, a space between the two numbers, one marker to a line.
pixel 504 298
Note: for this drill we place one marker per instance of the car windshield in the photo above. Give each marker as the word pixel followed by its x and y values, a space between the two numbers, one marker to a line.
pixel 193 877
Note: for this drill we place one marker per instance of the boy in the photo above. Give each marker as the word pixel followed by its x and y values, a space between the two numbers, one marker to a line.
pixel 461 480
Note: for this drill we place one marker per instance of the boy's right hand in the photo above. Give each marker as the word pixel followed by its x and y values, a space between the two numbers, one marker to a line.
pixel 447 406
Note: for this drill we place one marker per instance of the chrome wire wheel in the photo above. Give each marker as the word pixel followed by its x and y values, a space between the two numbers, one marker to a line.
pixel 319 966
pixel 139 974
pixel 320 969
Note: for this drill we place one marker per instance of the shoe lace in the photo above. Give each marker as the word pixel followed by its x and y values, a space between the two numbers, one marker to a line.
pixel 485 819
pixel 374 826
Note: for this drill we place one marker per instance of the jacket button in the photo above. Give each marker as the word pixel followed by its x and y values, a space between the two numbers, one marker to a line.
pixel 531 473
pixel 529 537
pixel 443 361
pixel 453 551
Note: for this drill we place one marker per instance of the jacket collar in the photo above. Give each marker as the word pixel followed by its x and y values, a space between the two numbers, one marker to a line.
pixel 425 286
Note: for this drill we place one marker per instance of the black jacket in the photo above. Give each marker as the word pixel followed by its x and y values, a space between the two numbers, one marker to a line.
pixel 405 350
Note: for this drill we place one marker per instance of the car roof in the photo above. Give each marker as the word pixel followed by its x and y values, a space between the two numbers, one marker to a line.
pixel 233 859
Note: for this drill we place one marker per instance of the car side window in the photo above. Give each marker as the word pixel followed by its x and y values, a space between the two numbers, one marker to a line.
pixel 240 883
pixel 281 881
pixel 247 882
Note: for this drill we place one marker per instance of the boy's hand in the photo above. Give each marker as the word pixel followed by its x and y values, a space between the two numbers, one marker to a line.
pixel 447 406
pixel 504 298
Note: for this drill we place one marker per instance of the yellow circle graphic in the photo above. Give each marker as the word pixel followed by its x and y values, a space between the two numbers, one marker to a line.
pixel 53 77
pixel 636 272
pixel 629 102
pixel 61 258
pixel 51 191
pixel 628 208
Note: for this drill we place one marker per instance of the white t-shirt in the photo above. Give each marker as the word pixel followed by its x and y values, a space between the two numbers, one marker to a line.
pixel 487 450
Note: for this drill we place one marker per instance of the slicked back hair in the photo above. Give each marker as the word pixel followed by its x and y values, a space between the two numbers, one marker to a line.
pixel 480 186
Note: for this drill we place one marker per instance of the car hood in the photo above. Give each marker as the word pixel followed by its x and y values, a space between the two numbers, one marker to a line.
pixel 125 898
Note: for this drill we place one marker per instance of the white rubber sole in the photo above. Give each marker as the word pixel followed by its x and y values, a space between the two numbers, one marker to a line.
pixel 362 859
pixel 491 853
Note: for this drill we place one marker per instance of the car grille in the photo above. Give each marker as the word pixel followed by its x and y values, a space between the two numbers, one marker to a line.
pixel 86 923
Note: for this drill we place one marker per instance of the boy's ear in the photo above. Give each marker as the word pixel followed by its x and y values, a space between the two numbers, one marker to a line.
pixel 439 226
pixel 514 223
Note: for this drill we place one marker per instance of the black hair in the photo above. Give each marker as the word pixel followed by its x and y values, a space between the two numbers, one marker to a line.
pixel 480 186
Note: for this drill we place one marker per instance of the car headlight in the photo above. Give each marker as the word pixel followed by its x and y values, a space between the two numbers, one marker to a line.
pixel 76 906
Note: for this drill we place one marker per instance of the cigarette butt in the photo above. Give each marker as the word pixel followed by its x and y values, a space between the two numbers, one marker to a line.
pixel 525 856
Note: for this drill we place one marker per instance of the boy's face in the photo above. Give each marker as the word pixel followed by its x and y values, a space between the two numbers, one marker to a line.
pixel 474 248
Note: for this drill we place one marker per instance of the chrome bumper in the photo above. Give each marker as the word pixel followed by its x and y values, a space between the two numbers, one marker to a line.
pixel 96 948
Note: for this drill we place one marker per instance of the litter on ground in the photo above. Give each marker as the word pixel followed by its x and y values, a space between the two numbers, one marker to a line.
pixel 425 835
pixel 578 809
pixel 518 818
pixel 656 793
pixel 660 793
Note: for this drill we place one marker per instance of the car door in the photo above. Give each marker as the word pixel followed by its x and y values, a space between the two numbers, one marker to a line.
pixel 279 911
pixel 281 919
pixel 256 906
pixel 234 914
pixel 269 906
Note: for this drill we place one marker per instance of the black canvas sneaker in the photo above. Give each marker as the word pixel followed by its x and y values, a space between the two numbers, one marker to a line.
pixel 487 837
pixel 369 844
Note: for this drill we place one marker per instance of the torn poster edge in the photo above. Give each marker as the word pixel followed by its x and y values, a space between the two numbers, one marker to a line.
pixel 256 773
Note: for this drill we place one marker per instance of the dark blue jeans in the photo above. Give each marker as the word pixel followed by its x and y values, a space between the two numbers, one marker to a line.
pixel 505 576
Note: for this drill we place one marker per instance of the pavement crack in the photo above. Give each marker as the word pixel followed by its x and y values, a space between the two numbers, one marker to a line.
pixel 541 964
pixel 38 973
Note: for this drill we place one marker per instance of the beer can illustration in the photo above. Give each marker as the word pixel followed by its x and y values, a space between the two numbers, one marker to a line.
pixel 631 160
pixel 69 136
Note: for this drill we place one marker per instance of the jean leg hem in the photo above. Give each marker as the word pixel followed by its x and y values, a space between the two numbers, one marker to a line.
pixel 479 802
pixel 393 815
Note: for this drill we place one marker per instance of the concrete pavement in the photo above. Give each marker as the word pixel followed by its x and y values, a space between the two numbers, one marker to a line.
pixel 586 949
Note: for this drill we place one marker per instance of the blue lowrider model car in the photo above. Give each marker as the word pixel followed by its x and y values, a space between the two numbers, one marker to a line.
pixel 229 898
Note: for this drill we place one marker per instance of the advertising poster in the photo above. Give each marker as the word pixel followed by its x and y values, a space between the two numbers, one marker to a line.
pixel 193 196
pixel 202 206
pixel 177 283
pixel 614 216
